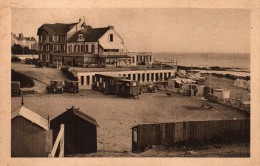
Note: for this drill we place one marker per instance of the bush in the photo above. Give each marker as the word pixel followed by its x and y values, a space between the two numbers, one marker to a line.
pixel 68 74
pixel 25 81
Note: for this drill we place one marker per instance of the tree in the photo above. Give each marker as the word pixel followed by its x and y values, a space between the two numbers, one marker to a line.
pixel 17 49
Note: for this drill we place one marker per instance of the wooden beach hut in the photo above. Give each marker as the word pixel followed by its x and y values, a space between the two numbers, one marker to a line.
pixel 80 131
pixel 30 134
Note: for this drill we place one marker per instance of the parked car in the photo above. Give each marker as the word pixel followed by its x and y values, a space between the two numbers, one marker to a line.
pixel 151 88
pixel 28 61
pixel 39 64
pixel 71 86
pixel 148 88
pixel 16 59
pixel 56 86
pixel 15 88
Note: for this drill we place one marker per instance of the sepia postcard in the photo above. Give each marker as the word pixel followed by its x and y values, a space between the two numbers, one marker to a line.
pixel 129 82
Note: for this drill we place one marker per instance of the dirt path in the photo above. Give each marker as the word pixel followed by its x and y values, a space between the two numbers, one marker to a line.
pixel 43 75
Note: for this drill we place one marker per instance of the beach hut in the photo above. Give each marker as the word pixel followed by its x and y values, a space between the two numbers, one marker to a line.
pixel 203 91
pixel 237 82
pixel 200 92
pixel 218 93
pixel 226 94
pixel 80 133
pixel 247 85
pixel 242 83
pixel 30 134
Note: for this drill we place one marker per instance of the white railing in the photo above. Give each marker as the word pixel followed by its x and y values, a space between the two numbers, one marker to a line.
pixel 59 139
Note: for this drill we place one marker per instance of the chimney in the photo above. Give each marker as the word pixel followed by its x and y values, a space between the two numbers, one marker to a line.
pixel 111 27
pixel 20 35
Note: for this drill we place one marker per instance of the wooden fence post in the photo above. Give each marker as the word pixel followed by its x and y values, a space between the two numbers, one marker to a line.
pixel 62 141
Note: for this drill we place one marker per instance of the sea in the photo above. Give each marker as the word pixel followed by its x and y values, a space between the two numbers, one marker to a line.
pixel 231 60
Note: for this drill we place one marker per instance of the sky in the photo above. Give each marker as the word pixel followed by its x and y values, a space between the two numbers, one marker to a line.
pixel 153 29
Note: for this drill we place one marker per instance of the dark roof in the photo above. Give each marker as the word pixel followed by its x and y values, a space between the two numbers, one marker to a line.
pixel 90 35
pixel 57 28
pixel 30 38
pixel 83 115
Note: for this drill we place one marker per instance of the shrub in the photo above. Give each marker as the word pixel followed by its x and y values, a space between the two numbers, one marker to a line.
pixel 68 74
pixel 25 81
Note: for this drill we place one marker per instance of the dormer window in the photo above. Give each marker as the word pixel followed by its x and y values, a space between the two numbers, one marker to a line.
pixel 111 37
pixel 80 37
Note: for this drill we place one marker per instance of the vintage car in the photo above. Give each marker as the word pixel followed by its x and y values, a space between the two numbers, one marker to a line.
pixel 56 86
pixel 28 61
pixel 148 88
pixel 16 59
pixel 151 88
pixel 15 88
pixel 71 86
pixel 39 64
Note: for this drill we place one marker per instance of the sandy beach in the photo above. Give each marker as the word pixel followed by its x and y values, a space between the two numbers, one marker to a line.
pixel 116 116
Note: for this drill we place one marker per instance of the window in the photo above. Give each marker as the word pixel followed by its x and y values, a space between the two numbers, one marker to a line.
pixel 87 80
pixel 47 38
pixel 51 47
pixel 51 38
pixel 143 75
pixel 79 48
pixel 80 37
pixel 134 76
pixel 82 48
pixel 148 76
pixel 82 80
pixel 93 48
pixel 47 47
pixel 69 48
pixel 111 37
pixel 90 50
pixel 86 50
pixel 54 47
pixel 75 48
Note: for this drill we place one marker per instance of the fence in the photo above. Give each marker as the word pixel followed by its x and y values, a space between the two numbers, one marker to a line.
pixel 188 132
pixel 59 139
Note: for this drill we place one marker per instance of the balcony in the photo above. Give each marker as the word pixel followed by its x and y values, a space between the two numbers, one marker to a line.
pixel 113 53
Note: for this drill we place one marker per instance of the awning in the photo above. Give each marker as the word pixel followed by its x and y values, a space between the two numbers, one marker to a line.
pixel 112 45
